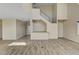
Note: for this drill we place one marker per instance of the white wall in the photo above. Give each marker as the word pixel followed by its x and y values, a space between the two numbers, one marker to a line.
pixel 39 36
pixel 70 26
pixel 28 29
pixel 20 29
pixel 12 29
pixel 9 29
pixel 0 28
pixel 39 26
pixel 60 29
pixel 49 10
pixel 35 14
pixel 61 11
pixel 16 10
pixel 53 30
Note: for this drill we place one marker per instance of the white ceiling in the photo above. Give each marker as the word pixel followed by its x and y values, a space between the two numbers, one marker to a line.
pixel 15 10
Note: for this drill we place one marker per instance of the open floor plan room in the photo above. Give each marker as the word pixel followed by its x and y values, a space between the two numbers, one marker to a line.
pixel 39 29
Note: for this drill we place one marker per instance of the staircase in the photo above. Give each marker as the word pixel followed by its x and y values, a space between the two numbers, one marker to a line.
pixel 50 32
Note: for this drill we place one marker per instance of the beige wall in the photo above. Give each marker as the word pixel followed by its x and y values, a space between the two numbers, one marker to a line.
pixel 70 26
pixel 60 29
pixel 16 10
pixel 35 13
pixel 28 29
pixel 61 11
pixel 12 29
pixel 0 28
pixel 53 30
pixel 39 36
pixel 39 26
pixel 49 10
pixel 20 29
pixel 9 29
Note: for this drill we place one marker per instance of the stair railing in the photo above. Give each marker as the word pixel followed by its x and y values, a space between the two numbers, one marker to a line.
pixel 53 20
pixel 44 15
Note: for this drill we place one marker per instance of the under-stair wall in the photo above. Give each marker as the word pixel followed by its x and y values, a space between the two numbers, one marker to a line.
pixel 39 26
pixel 51 28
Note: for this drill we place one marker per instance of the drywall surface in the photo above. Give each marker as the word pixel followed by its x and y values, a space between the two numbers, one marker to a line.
pixel 39 36
pixel 16 10
pixel 60 29
pixel 70 26
pixel 0 28
pixel 49 10
pixel 28 29
pixel 39 26
pixel 52 29
pixel 9 29
pixel 61 11
pixel 20 29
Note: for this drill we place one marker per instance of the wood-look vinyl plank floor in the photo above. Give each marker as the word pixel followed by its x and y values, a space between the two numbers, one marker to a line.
pixel 40 47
